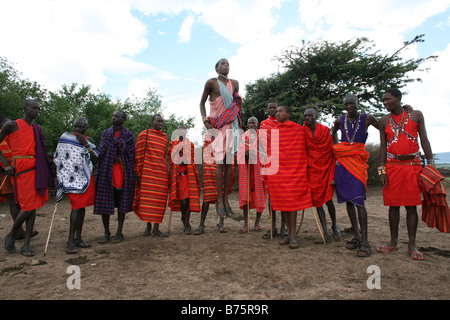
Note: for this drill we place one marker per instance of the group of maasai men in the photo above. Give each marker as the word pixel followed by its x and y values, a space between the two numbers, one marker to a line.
pixel 290 167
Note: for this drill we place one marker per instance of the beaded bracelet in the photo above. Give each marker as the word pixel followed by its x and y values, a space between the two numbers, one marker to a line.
pixel 381 170
pixel 431 163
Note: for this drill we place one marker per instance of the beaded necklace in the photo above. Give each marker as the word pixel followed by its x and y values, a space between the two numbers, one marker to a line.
pixel 353 125
pixel 397 127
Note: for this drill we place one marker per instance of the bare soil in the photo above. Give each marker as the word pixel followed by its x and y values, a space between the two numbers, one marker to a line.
pixel 229 266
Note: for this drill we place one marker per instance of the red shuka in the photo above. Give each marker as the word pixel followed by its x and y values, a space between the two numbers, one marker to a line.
pixel 289 188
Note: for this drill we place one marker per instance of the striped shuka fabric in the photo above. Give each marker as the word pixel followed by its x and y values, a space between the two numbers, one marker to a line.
pixel 209 173
pixel 112 147
pixel 250 180
pixel 265 136
pixel 353 157
pixel 289 188
pixel 435 210
pixel 150 199
pixel 321 163
pixel 176 156
pixel 229 115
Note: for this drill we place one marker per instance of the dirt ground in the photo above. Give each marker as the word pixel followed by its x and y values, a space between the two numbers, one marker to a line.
pixel 229 266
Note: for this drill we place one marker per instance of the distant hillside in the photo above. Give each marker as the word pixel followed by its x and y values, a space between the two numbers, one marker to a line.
pixel 443 157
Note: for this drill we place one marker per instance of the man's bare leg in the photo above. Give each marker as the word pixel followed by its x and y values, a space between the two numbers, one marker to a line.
pixel 220 208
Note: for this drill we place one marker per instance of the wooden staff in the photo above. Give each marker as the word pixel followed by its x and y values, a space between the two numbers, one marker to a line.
pixel 50 230
pixel 301 222
pixel 4 180
pixel 319 226
pixel 248 197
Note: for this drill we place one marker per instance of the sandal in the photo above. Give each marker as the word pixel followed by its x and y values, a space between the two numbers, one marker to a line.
pixel 336 233
pixel 187 230
pixel 353 244
pixel 159 234
pixel 70 249
pixel 221 228
pixel 118 238
pixel 27 251
pixel 416 255
pixel 387 248
pixel 284 241
pixel 293 243
pixel 105 239
pixel 82 244
pixel 200 230
pixel 9 245
pixel 267 234
pixel 221 212
pixel 258 228
pixel 243 230
pixel 364 251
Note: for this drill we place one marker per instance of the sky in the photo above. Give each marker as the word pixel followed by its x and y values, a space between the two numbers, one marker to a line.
pixel 126 47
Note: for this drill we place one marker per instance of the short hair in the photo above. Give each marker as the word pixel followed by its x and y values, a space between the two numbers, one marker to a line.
pixel 395 92
pixel 286 108
pixel 254 118
pixel 29 102
pixel 82 119
pixel 351 95
pixel 124 115
pixel 314 111
pixel 217 64
pixel 156 115
pixel 272 101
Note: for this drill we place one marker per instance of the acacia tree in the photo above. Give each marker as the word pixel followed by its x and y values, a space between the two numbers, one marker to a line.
pixel 320 74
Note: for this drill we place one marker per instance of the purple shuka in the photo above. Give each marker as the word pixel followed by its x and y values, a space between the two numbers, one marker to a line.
pixel 44 173
pixel 110 147
pixel 349 188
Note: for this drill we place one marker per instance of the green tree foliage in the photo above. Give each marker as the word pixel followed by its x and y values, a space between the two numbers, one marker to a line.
pixel 320 74
pixel 61 108
pixel 14 90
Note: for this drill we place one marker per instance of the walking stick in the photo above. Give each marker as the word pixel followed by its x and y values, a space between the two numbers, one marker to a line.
pixel 4 180
pixel 248 197
pixel 50 230
pixel 301 222
pixel 319 226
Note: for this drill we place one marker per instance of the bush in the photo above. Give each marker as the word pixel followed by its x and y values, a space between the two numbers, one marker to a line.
pixel 373 162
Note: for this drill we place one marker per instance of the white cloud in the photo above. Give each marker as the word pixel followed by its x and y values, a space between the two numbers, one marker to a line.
pixel 256 59
pixel 398 16
pixel 185 32
pixel 432 97
pixel 382 21
pixel 56 42
pixel 140 87
pixel 237 21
